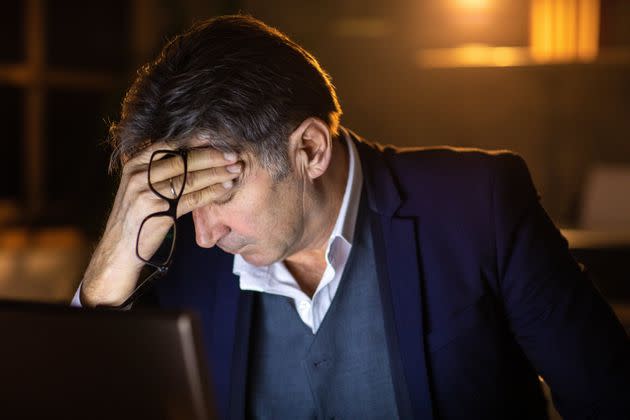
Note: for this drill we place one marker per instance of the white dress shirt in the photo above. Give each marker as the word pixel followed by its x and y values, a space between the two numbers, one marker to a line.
pixel 278 280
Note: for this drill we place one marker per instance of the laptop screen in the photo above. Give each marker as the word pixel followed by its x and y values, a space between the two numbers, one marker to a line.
pixel 61 362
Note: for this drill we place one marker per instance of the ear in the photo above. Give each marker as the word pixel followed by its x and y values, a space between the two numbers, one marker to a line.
pixel 310 148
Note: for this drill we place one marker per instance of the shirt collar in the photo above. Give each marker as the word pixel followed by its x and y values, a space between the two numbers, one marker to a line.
pixel 347 217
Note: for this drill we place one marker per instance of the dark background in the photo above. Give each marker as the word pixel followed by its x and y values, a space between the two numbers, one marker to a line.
pixel 65 65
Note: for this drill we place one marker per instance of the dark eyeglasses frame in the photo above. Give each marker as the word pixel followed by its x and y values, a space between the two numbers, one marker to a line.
pixel 160 269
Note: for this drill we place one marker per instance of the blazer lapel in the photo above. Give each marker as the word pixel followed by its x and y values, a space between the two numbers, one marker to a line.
pixel 230 346
pixel 238 388
pixel 398 265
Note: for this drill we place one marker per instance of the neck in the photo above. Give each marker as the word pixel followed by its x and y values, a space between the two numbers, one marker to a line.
pixel 324 207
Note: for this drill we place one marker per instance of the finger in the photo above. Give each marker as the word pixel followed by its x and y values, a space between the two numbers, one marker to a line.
pixel 203 197
pixel 197 180
pixel 143 156
pixel 197 159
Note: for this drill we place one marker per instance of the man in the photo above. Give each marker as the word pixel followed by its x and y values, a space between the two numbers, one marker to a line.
pixel 348 280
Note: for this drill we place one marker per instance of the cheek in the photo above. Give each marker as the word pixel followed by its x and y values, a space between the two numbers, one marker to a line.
pixel 286 214
pixel 250 215
pixel 240 220
pixel 266 213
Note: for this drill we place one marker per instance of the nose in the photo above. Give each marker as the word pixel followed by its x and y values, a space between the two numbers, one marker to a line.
pixel 208 227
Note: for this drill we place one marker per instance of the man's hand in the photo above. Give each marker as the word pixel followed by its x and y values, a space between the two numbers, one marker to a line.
pixel 113 271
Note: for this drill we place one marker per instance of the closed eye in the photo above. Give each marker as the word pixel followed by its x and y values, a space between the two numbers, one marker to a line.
pixel 230 195
pixel 225 200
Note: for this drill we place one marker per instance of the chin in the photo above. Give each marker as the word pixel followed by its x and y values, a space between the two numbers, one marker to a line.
pixel 256 259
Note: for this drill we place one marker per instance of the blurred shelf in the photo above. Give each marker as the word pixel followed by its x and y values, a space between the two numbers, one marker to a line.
pixel 9 212
pixel 23 75
pixel 41 264
pixel 488 56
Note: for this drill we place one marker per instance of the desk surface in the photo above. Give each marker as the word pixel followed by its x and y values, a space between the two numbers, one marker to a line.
pixel 588 239
pixel 622 310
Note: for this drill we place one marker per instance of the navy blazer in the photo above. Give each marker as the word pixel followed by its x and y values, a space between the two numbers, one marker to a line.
pixel 480 295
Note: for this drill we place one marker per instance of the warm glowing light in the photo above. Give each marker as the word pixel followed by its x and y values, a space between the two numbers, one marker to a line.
pixel 588 32
pixel 506 56
pixel 473 4
pixel 561 31
pixel 566 30
pixel 473 55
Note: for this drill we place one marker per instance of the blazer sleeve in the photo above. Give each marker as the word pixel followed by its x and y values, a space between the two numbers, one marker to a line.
pixel 564 326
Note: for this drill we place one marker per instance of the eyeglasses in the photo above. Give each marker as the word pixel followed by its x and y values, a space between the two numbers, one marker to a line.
pixel 160 259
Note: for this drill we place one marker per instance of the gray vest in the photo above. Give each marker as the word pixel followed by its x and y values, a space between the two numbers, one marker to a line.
pixel 341 372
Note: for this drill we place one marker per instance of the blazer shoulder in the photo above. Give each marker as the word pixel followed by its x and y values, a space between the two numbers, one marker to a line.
pixel 450 159
pixel 436 177
pixel 452 167
pixel 442 160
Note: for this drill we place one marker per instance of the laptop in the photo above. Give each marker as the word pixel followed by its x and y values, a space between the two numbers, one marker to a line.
pixel 62 362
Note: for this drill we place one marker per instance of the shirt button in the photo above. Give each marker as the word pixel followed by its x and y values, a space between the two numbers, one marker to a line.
pixel 304 306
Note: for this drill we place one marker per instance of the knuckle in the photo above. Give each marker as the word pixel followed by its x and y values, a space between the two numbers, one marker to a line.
pixel 126 169
pixel 153 205
pixel 137 179
pixel 193 200
pixel 129 162
pixel 146 196
pixel 175 164
pixel 191 177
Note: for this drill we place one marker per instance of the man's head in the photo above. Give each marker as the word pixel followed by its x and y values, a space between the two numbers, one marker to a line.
pixel 233 80
pixel 235 84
